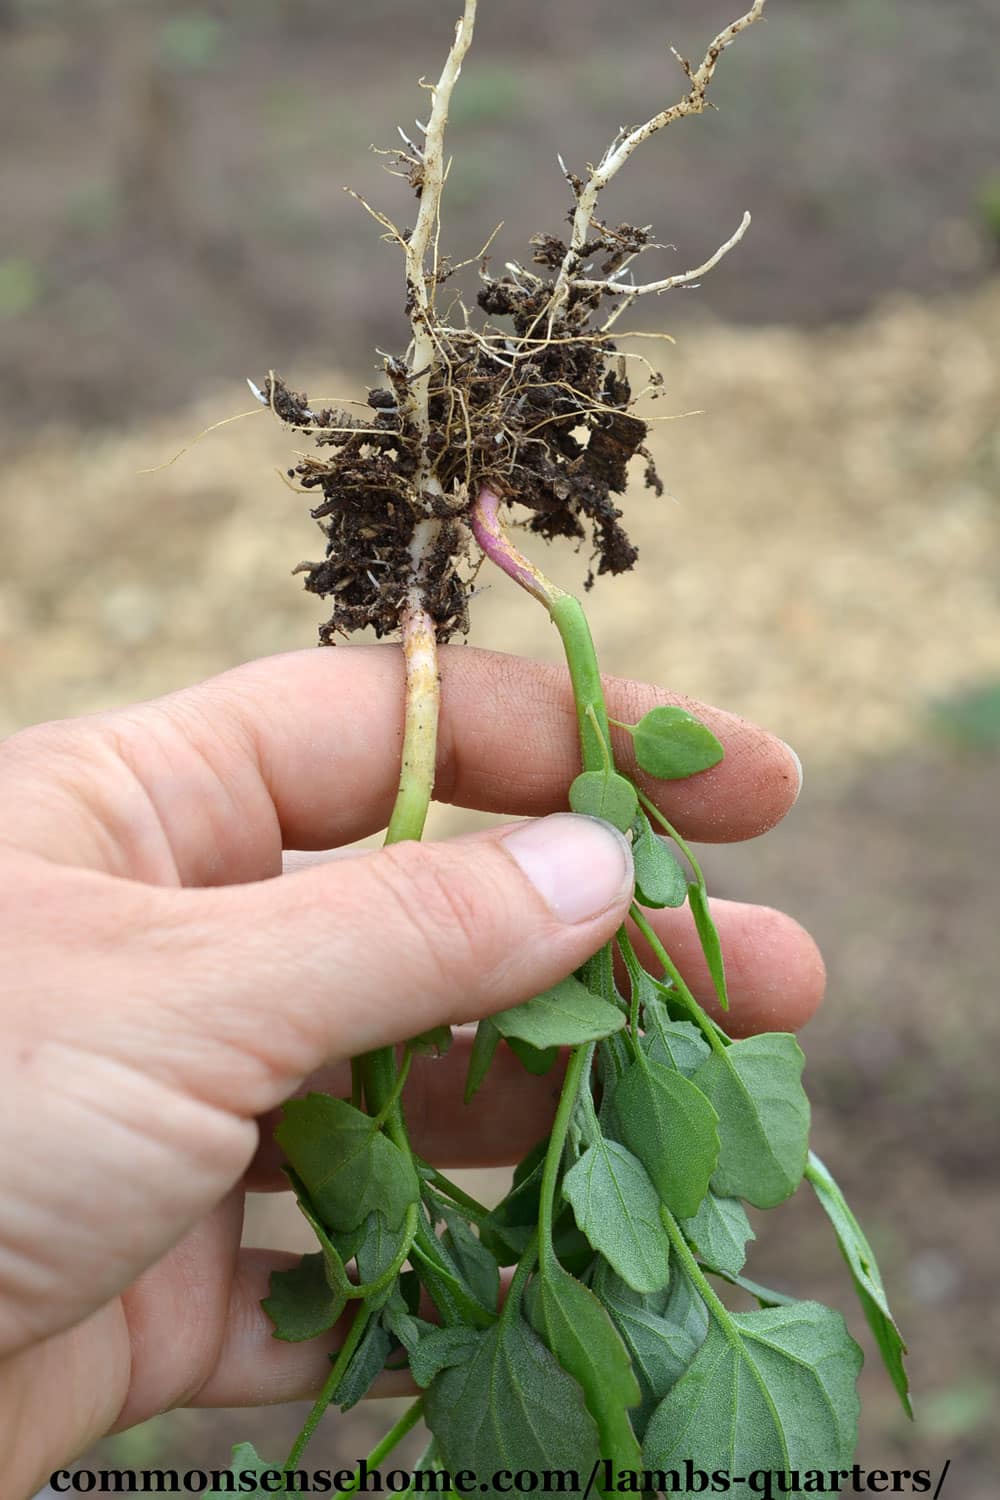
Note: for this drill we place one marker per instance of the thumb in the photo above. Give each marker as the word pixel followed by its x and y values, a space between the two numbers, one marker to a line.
pixel 265 983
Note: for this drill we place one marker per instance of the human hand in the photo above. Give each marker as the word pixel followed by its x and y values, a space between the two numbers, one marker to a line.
pixel 165 987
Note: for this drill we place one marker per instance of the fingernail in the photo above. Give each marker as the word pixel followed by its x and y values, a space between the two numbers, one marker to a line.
pixel 798 769
pixel 578 865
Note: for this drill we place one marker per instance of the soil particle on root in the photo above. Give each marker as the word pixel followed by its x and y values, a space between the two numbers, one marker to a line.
pixel 542 418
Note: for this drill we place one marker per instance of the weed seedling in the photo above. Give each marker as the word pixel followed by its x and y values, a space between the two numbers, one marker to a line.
pixel 613 1351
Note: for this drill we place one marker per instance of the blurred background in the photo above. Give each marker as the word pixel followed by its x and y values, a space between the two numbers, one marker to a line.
pixel 172 219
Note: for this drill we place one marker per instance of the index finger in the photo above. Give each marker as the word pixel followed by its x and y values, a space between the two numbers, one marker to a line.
pixel 306 748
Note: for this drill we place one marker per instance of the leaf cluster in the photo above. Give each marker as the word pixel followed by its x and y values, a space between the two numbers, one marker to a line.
pixel 624 1227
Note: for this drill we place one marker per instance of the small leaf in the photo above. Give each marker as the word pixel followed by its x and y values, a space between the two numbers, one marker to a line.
pixel 246 1460
pixel 605 794
pixel 478 1267
pixel 769 1390
pixel 719 1232
pixel 537 1060
pixel 349 1168
pixel 670 743
pixel 618 1209
pixel 301 1304
pixel 575 1327
pixel 766 1296
pixel 438 1350
pixel 659 877
pixel 663 1332
pixel 763 1117
pixel 364 1367
pixel 675 1044
pixel 485 1044
pixel 865 1274
pixel 564 1016
pixel 376 1251
pixel 709 939
pixel 671 1127
pixel 509 1405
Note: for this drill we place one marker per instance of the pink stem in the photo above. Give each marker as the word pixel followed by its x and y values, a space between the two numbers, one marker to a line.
pixel 500 549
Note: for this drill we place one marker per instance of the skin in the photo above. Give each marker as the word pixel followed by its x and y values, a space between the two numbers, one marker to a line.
pixel 168 976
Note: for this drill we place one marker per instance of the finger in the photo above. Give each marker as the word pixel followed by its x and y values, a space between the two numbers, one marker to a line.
pixel 177 1314
pixel 775 979
pixel 236 995
pixel 302 751
pixel 775 975
pixel 253 1368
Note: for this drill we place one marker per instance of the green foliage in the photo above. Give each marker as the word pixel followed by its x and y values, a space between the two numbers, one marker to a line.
pixel 567 1015
pixel 772 1390
pixel 865 1274
pixel 659 878
pixel 671 743
pixel 510 1404
pixel 673 1130
pixel 302 1304
pixel 605 794
pixel 617 1208
pixel 348 1167
pixel 579 1332
pixel 718 1232
pixel 763 1117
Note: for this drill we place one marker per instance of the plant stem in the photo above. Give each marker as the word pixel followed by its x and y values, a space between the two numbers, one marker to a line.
pixel 567 616
pixel 705 1022
pixel 395 1435
pixel 578 1065
pixel 423 697
pixel 330 1385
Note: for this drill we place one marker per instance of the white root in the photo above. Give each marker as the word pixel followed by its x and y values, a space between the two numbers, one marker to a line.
pixel 693 103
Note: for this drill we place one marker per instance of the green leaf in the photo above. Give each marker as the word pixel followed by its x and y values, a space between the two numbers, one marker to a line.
pixel 865 1274
pixel 671 1127
pixel 478 1267
pixel 709 939
pixel 349 1169
pixel 336 1253
pixel 301 1304
pixel 376 1251
pixel 719 1232
pixel 509 1405
pixel 537 1060
pixel 575 1327
pixel 766 1296
pixel 663 1332
pixel 564 1016
pixel 675 1044
pixel 618 1209
pixel 605 794
pixel 246 1460
pixel 671 743
pixel 755 1085
pixel 440 1349
pixel 770 1390
pixel 364 1367
pixel 659 877
pixel 485 1044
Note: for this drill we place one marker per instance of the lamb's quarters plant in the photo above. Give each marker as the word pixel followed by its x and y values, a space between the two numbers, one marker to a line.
pixel 624 1226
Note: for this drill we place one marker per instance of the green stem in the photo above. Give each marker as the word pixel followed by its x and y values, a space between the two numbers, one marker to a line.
pixel 654 811
pixel 568 617
pixel 331 1383
pixel 575 1072
pixel 699 1017
pixel 394 1436
pixel 448 1189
